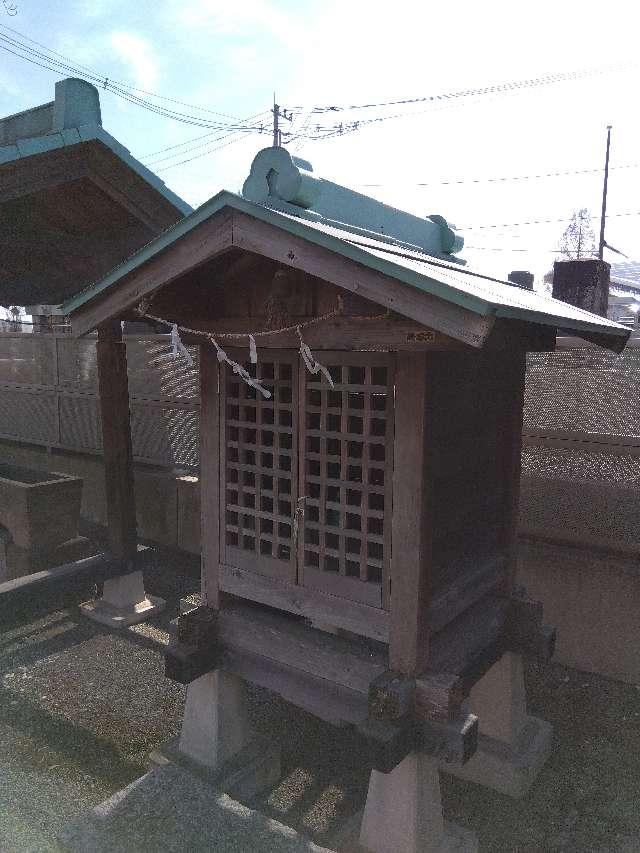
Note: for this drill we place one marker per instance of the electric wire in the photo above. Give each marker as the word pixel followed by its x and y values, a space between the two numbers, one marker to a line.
pixel 197 138
pixel 531 82
pixel 321 132
pixel 541 221
pixel 44 61
pixel 498 179
pixel 237 138
pixel 117 82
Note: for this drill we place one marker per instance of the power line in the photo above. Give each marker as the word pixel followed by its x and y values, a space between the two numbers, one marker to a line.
pixel 237 137
pixel 506 249
pixel 187 148
pixel 55 65
pixel 197 138
pixel 499 179
pixel 119 83
pixel 531 82
pixel 539 221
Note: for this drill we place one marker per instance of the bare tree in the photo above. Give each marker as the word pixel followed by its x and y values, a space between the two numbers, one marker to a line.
pixel 13 313
pixel 579 239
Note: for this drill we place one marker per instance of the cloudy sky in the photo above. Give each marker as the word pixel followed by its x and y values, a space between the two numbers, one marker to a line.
pixel 483 161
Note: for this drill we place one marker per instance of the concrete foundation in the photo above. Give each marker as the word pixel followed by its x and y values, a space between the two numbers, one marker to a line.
pixel 216 741
pixel 403 812
pixel 215 725
pixel 123 603
pixel 512 746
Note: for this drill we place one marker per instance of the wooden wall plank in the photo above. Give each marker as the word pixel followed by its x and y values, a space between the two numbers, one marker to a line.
pixel 210 449
pixel 411 535
pixel 116 441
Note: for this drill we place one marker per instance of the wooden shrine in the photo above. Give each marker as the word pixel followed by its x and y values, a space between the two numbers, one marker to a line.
pixel 359 475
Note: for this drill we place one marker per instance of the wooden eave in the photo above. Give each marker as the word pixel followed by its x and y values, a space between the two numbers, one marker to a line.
pixel 47 260
pixel 229 229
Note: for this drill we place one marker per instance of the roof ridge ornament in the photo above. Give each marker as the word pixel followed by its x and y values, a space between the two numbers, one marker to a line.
pixel 281 181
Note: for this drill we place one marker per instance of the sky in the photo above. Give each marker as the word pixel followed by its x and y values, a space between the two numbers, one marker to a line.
pixel 483 162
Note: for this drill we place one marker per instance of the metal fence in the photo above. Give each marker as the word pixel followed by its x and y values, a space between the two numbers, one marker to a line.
pixel 581 455
pixel 49 396
pixel 580 461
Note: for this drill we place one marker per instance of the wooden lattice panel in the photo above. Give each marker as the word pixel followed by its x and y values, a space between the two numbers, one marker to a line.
pixel 347 435
pixel 260 468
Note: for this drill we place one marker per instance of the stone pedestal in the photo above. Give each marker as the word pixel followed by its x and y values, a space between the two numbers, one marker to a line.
pixel 123 603
pixel 403 812
pixel 215 725
pixel 512 746
pixel 216 741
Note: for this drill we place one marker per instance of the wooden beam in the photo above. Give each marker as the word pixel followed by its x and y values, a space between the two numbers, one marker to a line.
pixel 340 333
pixel 328 701
pixel 203 242
pixel 510 453
pixel 271 242
pixel 129 189
pixel 128 204
pixel 312 604
pixel 410 558
pixel 351 663
pixel 116 440
pixel 40 172
pixel 209 475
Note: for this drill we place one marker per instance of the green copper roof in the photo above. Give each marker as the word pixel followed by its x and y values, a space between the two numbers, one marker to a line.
pixel 479 293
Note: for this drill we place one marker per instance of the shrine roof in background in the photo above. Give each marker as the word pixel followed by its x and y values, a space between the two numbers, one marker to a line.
pixel 73 200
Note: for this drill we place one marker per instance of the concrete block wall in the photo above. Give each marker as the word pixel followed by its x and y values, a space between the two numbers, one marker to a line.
pixel 593 599
pixel 167 504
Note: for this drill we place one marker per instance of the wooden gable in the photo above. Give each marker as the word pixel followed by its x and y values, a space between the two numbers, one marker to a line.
pixel 181 262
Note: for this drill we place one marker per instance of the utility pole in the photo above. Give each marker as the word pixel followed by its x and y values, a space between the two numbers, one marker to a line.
pixel 601 244
pixel 276 128
pixel 277 115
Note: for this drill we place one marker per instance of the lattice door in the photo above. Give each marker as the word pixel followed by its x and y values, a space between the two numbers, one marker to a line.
pixel 347 441
pixel 259 469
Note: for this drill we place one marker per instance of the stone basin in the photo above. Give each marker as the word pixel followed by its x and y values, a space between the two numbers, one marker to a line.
pixel 40 509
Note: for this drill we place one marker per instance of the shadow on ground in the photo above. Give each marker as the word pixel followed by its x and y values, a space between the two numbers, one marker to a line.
pixel 82 707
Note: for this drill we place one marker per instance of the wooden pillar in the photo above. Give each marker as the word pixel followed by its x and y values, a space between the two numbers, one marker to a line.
pixel 410 559
pixel 116 441
pixel 210 448
pixel 511 433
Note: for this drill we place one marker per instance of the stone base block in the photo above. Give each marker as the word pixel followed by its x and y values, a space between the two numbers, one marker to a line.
pixel 456 839
pixel 508 770
pixel 254 769
pixel 172 810
pixel 116 617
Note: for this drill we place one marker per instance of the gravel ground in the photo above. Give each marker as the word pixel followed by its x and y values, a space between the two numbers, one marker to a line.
pixel 82 707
